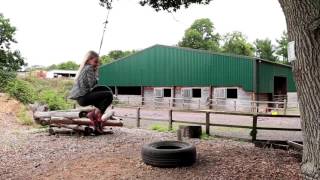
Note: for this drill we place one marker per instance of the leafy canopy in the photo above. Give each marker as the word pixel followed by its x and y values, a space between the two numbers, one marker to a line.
pixel 200 36
pixel 169 5
pixel 265 49
pixel 9 60
pixel 282 47
pixel 114 55
pixel 236 43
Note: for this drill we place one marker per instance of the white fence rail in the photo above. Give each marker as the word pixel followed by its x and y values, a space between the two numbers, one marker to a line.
pixel 215 104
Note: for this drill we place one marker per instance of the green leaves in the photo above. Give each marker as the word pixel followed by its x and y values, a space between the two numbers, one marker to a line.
pixel 69 65
pixel 54 100
pixel 9 60
pixel 21 90
pixel 265 49
pixel 115 55
pixel 236 43
pixel 201 36
pixel 282 47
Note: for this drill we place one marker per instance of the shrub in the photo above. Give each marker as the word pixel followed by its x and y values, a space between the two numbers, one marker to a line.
pixel 54 100
pixel 5 78
pixel 21 90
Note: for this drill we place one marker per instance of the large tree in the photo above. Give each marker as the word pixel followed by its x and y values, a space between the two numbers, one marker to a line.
pixel 9 60
pixel 201 36
pixel 236 43
pixel 303 23
pixel 265 49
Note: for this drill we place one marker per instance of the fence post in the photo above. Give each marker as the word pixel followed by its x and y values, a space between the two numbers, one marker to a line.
pixel 235 105
pixel 138 117
pixel 170 119
pixel 74 106
pixel 254 132
pixel 207 123
pixel 285 107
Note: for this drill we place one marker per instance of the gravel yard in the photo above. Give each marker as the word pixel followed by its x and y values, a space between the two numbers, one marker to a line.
pixel 28 153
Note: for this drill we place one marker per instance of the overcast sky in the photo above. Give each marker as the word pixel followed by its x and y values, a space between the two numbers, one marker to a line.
pixel 53 31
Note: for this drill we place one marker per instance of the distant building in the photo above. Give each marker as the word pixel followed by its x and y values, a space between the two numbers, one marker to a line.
pixel 61 74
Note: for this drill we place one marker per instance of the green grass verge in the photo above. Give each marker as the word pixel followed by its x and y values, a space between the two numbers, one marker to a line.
pixel 163 128
pixel 205 136
pixel 24 117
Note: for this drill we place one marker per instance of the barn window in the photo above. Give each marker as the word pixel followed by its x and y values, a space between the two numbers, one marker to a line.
pixel 187 93
pixel 220 93
pixel 166 92
pixel 158 92
pixel 134 90
pixel 196 93
pixel 232 93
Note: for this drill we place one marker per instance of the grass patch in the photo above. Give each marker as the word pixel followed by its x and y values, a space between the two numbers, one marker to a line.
pixel 162 128
pixel 205 136
pixel 24 117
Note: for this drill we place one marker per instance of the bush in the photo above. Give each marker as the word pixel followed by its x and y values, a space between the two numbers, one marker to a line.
pixel 54 100
pixel 21 90
pixel 5 78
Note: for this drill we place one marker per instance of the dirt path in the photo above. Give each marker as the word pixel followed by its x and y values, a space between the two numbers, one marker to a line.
pixel 29 153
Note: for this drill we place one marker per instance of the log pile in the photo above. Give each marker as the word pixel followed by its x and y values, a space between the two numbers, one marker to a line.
pixel 73 119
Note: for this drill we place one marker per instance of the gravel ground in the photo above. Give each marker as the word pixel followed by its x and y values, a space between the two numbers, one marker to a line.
pixel 27 153
pixel 220 119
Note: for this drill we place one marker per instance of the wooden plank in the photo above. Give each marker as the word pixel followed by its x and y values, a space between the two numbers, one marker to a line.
pixel 170 119
pixel 254 132
pixel 279 129
pixel 188 122
pixel 295 145
pixel 208 123
pixel 232 126
pixel 138 117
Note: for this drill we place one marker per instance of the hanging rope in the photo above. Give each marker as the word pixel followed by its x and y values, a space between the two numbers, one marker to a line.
pixel 104 30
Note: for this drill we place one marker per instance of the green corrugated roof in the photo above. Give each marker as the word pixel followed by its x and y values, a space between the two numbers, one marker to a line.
pixel 174 66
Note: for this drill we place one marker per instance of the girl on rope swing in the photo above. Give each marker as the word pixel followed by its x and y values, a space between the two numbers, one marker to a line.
pixel 85 93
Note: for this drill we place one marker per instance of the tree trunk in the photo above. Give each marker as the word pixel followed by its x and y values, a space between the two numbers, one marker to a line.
pixel 303 22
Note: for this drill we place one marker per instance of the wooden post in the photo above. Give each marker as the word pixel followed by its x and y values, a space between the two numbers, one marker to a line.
pixel 170 119
pixel 138 117
pixel 254 128
pixel 285 107
pixel 116 90
pixel 207 123
pixel 210 97
pixel 142 95
pixel 173 96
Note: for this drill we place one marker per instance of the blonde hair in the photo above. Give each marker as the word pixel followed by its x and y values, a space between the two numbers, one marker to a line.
pixel 90 55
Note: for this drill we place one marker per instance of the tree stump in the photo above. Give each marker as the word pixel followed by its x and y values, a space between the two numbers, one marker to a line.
pixel 190 131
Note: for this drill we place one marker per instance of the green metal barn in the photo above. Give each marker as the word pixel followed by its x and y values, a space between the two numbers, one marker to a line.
pixel 170 73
